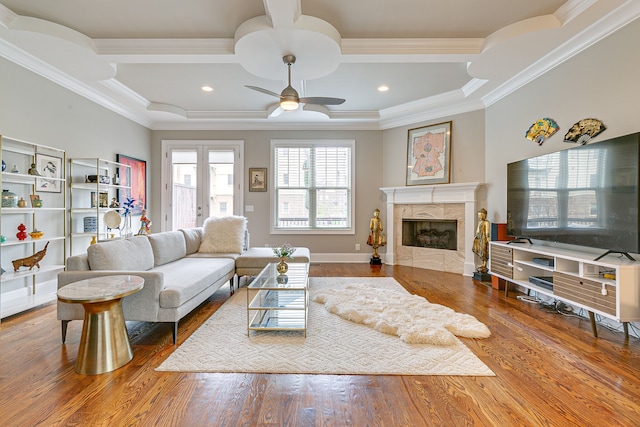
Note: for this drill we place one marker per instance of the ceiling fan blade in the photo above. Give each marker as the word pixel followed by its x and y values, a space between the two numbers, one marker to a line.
pixel 321 100
pixel 259 89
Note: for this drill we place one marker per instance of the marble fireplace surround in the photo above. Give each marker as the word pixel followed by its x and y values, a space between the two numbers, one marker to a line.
pixel 440 201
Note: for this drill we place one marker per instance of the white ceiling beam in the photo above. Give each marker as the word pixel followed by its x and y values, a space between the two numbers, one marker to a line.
pixel 283 13
pixel 199 51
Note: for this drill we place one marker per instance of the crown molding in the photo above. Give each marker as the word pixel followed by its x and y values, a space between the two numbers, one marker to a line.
pixel 591 35
pixel 41 68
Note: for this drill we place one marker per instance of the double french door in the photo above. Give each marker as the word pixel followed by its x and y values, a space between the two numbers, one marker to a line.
pixel 201 179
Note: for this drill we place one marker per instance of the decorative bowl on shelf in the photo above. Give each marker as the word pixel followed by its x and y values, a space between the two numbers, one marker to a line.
pixel 36 234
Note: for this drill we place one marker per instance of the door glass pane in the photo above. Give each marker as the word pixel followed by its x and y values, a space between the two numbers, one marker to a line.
pixel 220 182
pixel 184 165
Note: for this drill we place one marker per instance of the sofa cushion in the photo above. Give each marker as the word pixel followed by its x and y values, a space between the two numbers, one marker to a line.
pixel 130 254
pixel 168 246
pixel 186 278
pixel 192 238
pixel 78 263
pixel 224 235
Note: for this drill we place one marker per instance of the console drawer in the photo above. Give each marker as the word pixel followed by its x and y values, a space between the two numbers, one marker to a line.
pixel 501 260
pixel 585 291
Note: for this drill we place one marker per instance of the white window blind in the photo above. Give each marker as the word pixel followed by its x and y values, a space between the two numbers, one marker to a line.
pixel 313 185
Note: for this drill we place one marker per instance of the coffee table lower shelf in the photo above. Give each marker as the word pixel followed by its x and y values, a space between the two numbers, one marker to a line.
pixel 277 310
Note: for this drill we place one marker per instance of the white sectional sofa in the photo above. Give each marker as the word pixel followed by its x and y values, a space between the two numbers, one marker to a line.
pixel 178 275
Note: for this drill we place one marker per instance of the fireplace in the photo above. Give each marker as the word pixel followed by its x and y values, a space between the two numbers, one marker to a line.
pixel 431 233
pixel 419 208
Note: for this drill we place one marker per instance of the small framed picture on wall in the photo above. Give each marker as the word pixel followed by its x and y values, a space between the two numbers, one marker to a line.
pixel 257 179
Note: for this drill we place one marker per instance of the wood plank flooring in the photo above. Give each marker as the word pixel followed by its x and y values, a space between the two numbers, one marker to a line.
pixel 550 371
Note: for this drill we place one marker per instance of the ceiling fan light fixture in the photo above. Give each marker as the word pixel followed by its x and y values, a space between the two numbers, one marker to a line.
pixel 289 98
pixel 289 105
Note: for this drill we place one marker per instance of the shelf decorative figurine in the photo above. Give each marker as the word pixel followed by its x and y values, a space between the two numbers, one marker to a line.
pixel 33 170
pixel 31 261
pixel 36 234
pixel 22 232
pixel 145 224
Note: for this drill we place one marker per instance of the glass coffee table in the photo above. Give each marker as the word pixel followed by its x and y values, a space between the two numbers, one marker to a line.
pixel 279 302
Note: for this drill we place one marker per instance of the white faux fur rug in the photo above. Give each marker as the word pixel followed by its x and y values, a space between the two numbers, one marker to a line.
pixel 411 317
pixel 333 345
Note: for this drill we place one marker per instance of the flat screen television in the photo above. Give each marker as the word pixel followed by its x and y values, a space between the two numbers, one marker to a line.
pixel 586 196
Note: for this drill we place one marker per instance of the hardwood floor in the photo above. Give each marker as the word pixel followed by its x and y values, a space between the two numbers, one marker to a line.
pixel 549 368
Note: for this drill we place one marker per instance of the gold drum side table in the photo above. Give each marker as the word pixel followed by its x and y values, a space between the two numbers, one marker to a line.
pixel 104 344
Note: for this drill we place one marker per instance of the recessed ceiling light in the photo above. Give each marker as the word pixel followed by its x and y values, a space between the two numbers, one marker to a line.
pixel 207 88
pixel 383 88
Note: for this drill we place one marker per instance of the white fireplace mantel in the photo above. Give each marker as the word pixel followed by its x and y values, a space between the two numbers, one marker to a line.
pixel 465 193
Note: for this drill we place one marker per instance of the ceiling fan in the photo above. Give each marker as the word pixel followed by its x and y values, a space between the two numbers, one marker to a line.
pixel 289 98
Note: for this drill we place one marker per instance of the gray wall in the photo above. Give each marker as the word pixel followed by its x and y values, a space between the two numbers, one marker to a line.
pixel 600 82
pixel 368 161
pixel 467 149
pixel 34 109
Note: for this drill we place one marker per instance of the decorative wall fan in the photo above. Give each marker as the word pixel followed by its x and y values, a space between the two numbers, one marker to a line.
pixel 582 131
pixel 541 130
pixel 289 99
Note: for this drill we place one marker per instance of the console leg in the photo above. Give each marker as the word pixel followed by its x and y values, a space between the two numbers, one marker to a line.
pixel 625 326
pixel 592 317
pixel 506 288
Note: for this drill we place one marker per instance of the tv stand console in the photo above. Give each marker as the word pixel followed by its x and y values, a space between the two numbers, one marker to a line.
pixel 610 288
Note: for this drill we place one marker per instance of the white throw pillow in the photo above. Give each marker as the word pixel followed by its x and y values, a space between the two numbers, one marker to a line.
pixel 223 235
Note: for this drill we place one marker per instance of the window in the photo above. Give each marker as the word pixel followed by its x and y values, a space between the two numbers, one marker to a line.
pixel 313 185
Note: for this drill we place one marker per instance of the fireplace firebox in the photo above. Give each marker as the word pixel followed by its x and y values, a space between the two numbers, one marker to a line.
pixel 430 233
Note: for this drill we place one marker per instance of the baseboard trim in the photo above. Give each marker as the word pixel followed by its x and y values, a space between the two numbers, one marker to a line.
pixel 344 258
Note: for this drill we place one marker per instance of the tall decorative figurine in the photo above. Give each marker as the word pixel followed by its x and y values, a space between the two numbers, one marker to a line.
pixel 481 246
pixel 145 224
pixel 376 237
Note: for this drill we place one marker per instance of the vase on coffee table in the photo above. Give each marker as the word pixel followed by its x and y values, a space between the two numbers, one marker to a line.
pixel 282 266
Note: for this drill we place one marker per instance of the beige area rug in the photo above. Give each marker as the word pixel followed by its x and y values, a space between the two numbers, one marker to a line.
pixel 333 345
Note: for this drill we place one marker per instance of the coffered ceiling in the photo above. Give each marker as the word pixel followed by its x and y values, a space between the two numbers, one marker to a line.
pixel 149 59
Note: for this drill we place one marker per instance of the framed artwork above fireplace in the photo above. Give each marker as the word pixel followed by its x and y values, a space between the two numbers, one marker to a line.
pixel 429 154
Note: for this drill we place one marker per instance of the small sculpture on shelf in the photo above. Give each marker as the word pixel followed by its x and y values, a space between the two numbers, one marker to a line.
pixel 31 261
pixel 22 232
pixel 33 170
pixel 36 201
pixel 36 234
pixel 145 224
pixel 114 203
